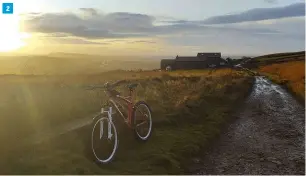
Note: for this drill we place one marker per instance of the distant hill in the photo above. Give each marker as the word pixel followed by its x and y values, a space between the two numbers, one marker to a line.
pixel 62 64
pixel 280 56
pixel 275 58
pixel 108 57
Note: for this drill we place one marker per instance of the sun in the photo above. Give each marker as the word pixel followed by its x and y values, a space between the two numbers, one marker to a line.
pixel 10 37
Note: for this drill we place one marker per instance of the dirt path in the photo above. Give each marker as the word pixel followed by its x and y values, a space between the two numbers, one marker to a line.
pixel 267 138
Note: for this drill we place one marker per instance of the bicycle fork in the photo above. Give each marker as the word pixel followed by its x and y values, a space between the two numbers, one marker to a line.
pixel 110 118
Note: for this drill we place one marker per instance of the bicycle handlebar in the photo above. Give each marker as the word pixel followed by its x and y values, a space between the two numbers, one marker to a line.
pixel 108 85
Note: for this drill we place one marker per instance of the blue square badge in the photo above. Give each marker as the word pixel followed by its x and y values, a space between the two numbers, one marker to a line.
pixel 7 8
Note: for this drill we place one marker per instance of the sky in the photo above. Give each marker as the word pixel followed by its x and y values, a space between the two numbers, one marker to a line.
pixel 154 27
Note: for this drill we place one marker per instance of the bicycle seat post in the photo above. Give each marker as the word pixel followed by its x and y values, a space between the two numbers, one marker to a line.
pixel 131 94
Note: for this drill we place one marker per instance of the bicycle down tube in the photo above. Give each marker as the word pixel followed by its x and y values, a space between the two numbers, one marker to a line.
pixel 130 106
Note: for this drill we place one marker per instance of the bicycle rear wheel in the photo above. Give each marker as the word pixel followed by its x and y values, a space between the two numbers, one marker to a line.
pixel 104 146
pixel 142 120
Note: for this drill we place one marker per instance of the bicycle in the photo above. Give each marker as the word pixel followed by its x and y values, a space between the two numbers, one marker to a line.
pixel 130 118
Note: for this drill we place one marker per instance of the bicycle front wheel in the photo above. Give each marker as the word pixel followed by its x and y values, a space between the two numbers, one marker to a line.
pixel 104 140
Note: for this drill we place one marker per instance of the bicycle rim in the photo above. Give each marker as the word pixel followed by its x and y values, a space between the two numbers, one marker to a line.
pixel 104 151
pixel 143 121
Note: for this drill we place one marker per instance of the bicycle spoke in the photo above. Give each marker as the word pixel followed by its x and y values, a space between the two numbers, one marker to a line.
pixel 141 112
pixel 142 123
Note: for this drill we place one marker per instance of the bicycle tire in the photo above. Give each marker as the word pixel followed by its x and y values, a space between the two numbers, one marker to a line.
pixel 114 131
pixel 148 135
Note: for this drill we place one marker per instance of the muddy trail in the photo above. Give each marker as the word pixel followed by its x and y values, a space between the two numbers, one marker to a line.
pixel 267 137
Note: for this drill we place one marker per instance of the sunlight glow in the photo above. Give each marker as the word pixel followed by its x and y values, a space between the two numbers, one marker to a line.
pixel 10 37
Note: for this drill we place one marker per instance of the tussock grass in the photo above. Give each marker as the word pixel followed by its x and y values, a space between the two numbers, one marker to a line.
pixel 189 109
pixel 290 74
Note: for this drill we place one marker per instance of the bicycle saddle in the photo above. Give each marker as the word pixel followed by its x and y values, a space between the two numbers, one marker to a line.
pixel 132 86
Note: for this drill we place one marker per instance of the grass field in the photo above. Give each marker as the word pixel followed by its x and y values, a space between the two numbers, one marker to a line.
pixel 290 74
pixel 189 109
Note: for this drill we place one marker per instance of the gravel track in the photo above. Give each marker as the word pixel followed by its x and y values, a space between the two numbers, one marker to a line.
pixel 267 137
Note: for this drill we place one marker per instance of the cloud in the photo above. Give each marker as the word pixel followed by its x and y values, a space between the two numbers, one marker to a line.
pixel 113 25
pixel 75 41
pixel 90 11
pixel 290 37
pixel 287 27
pixel 61 38
pixel 80 41
pixel 257 14
pixel 118 25
pixel 271 1
pixel 123 25
pixel 54 35
pixel 282 25
pixel 143 41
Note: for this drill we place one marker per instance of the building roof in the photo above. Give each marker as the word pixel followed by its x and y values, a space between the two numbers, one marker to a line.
pixel 189 58
pixel 209 54
pixel 199 57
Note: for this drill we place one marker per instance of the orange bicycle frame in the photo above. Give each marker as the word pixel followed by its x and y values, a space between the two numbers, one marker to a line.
pixel 130 105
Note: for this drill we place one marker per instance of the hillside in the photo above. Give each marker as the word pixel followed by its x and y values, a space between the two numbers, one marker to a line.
pixel 275 58
pixel 290 74
pixel 280 55
pixel 190 108
pixel 59 64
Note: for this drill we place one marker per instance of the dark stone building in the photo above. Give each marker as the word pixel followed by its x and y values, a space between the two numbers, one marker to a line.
pixel 201 61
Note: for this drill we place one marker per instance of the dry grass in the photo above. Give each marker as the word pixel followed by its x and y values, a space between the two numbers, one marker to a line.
pixel 291 74
pixel 189 108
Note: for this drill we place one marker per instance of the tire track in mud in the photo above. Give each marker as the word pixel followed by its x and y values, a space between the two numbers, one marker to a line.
pixel 267 137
